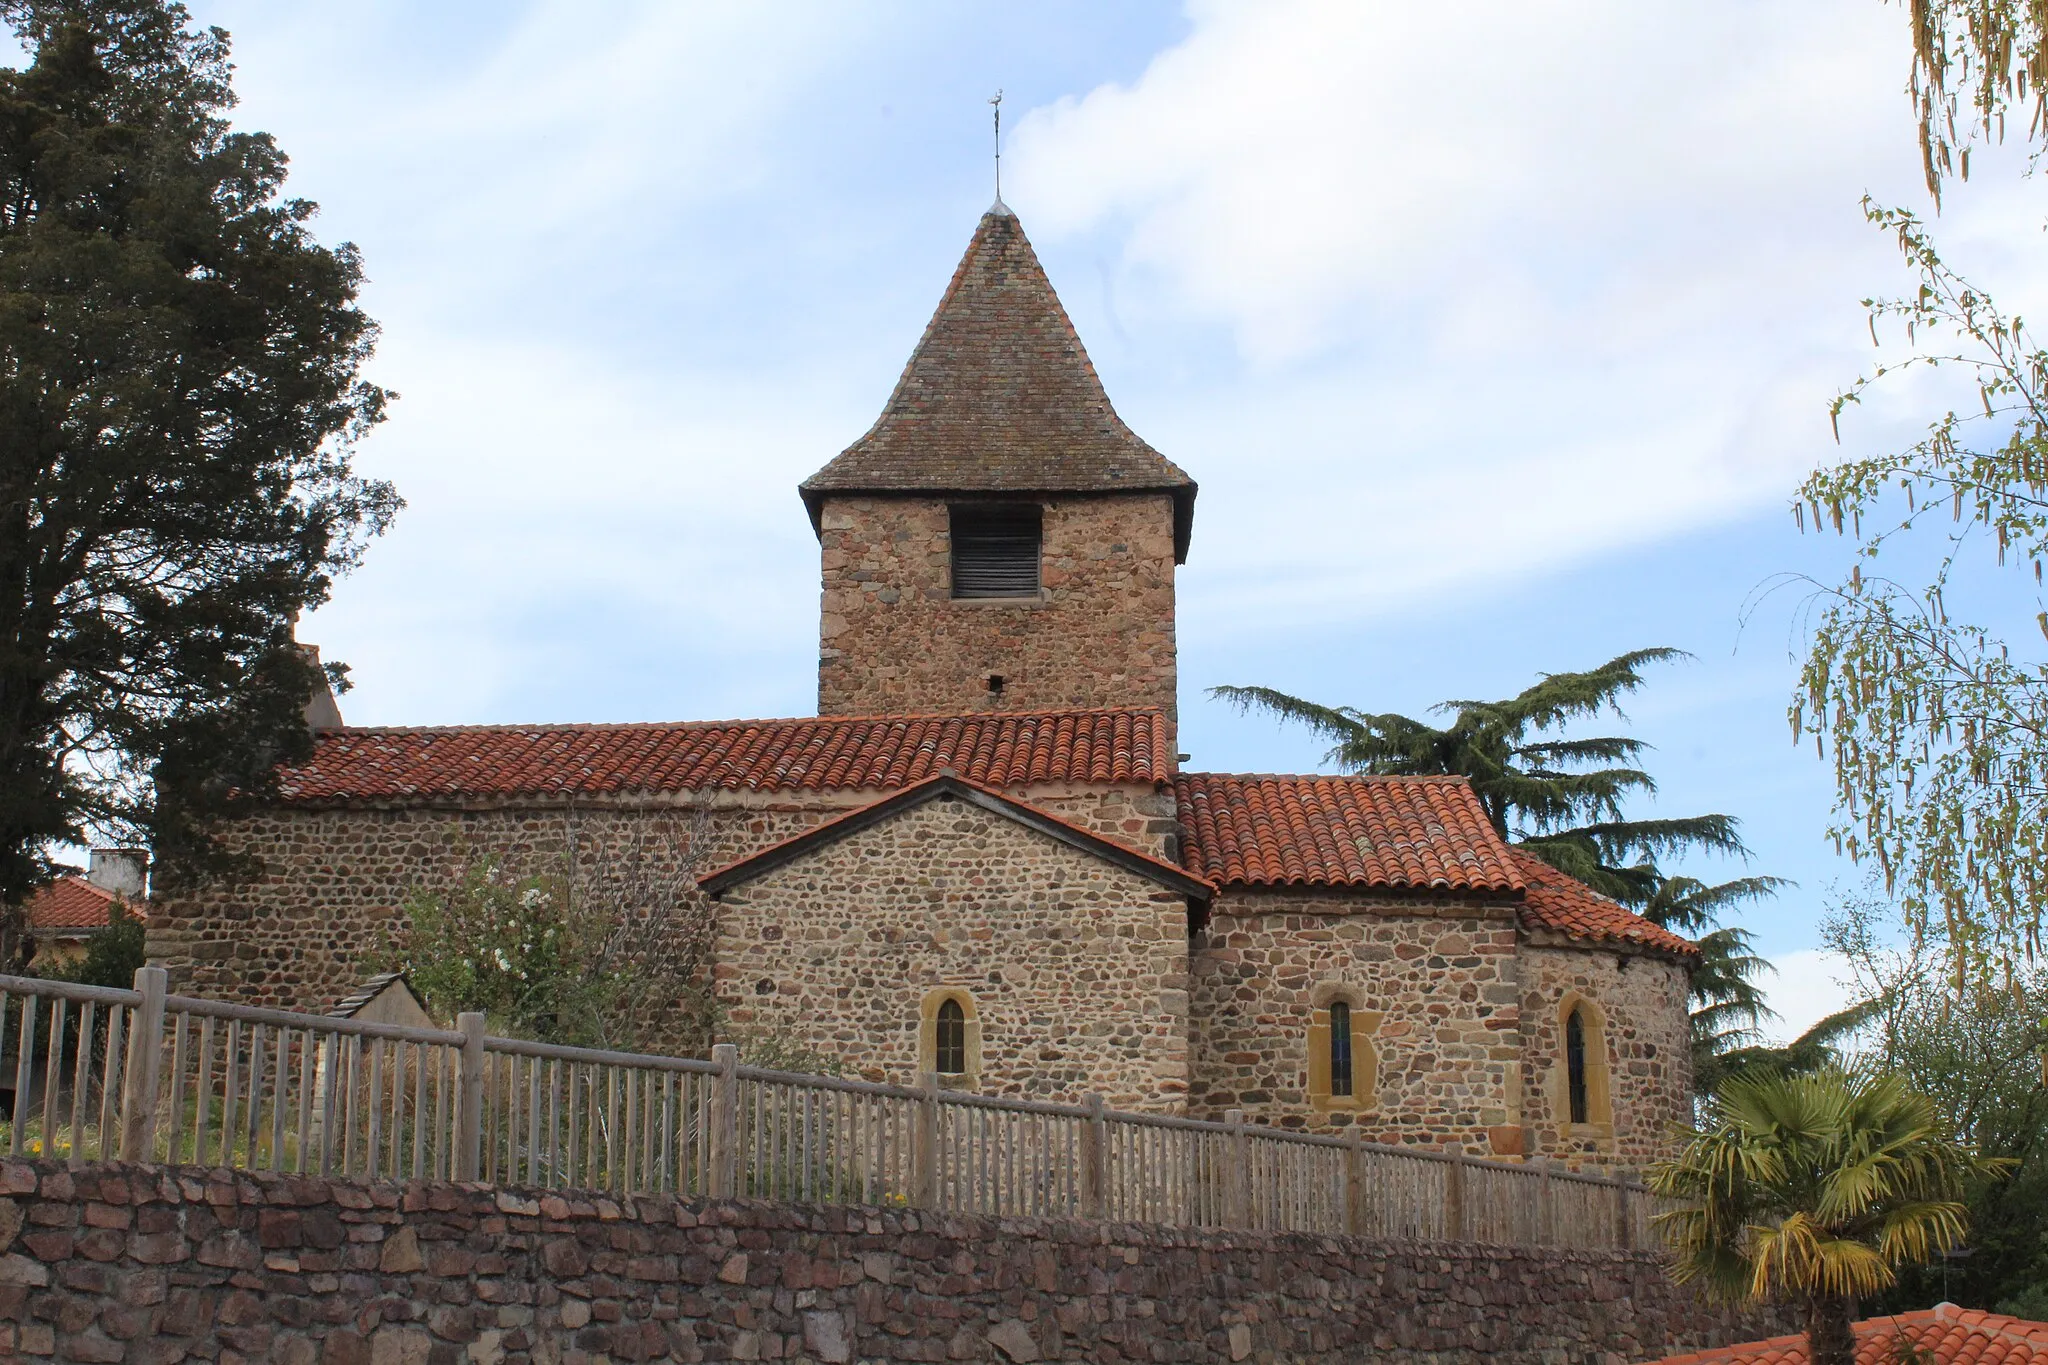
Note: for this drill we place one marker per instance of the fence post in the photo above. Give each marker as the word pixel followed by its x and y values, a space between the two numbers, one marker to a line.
pixel 924 1144
pixel 724 1157
pixel 1354 1186
pixel 1454 1195
pixel 1624 1215
pixel 469 1109
pixel 1094 1160
pixel 1238 1208
pixel 1546 1209
pixel 140 1083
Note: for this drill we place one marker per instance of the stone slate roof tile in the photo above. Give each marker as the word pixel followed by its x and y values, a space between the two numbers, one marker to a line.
pixel 829 753
pixel 1000 397
pixel 1942 1335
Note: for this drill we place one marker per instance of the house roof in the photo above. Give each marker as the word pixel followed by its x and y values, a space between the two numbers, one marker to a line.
pixel 1000 397
pixel 70 903
pixel 1568 906
pixel 1421 833
pixel 828 753
pixel 946 785
pixel 1942 1335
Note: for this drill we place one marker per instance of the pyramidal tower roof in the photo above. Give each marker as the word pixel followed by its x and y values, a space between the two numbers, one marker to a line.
pixel 1000 397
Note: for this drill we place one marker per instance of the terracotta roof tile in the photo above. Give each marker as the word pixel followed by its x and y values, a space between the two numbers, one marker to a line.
pixel 70 903
pixel 1000 396
pixel 1948 1335
pixel 814 754
pixel 1407 832
pixel 1569 906
pixel 949 784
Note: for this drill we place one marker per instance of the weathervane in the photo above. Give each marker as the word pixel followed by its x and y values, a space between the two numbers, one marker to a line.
pixel 998 103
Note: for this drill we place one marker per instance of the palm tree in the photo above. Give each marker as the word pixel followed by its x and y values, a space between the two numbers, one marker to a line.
pixel 1815 1188
pixel 1561 799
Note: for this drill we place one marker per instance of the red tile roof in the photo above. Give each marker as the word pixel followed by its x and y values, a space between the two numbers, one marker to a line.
pixel 1569 906
pixel 949 785
pixel 828 753
pixel 999 396
pixel 1404 832
pixel 70 903
pixel 1948 1335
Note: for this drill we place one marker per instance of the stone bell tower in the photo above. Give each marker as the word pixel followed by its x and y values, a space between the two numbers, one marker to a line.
pixel 999 540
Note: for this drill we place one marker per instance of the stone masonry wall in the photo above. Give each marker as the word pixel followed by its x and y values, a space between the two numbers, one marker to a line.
pixel 160 1265
pixel 1077 967
pixel 1649 1054
pixel 892 639
pixel 301 935
pixel 1441 971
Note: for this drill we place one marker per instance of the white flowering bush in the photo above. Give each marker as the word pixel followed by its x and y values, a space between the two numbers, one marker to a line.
pixel 545 960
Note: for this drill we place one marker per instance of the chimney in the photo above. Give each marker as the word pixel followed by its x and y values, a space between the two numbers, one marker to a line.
pixel 323 713
pixel 123 871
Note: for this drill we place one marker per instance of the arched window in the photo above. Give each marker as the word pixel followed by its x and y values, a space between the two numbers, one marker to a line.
pixel 950 1040
pixel 1575 1064
pixel 1340 1048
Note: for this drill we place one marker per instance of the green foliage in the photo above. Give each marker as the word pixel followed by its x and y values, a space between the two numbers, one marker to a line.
pixel 1938 728
pixel 544 960
pixel 1977 1050
pixel 1815 1189
pixel 1564 800
pixel 180 386
pixel 112 956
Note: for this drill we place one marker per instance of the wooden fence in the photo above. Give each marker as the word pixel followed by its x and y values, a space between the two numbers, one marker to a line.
pixel 140 1075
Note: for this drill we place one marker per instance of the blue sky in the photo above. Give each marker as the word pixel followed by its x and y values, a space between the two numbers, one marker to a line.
pixel 1497 339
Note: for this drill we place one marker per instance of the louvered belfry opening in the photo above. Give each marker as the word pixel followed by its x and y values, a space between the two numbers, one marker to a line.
pixel 996 549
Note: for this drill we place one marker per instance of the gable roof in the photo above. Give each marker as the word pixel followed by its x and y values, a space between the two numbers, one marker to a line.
pixel 828 753
pixel 1000 397
pixel 1946 1334
pixel 71 903
pixel 1567 905
pixel 1420 833
pixel 943 786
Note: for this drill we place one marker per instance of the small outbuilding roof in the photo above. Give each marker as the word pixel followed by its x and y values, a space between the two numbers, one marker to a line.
pixel 73 904
pixel 1000 397
pixel 947 786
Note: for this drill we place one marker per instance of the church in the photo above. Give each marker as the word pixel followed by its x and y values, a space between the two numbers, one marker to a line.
pixel 982 858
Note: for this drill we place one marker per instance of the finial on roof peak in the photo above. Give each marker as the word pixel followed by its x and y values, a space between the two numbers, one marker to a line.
pixel 1000 209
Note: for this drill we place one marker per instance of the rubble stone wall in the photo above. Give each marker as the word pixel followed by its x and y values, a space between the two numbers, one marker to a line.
pixel 162 1265
pixel 1438 972
pixel 1076 967
pixel 1641 1004
pixel 302 935
pixel 1101 633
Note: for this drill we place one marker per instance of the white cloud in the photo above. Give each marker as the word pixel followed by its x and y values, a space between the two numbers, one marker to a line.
pixel 1808 988
pixel 1512 284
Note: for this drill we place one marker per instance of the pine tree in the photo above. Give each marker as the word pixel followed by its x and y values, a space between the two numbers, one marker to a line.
pixel 180 386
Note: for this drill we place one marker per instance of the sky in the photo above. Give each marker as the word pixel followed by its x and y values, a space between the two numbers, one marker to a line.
pixel 1497 335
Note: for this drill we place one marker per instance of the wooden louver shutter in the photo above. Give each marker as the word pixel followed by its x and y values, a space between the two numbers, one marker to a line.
pixel 995 551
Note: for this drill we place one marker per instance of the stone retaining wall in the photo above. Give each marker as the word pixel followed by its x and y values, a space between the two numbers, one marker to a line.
pixel 160 1265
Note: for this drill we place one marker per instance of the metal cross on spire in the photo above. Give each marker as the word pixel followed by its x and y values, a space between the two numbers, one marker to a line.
pixel 997 102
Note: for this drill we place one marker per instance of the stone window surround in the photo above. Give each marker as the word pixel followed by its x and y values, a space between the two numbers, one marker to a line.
pixel 1365 1055
pixel 1599 1127
pixel 928 1037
